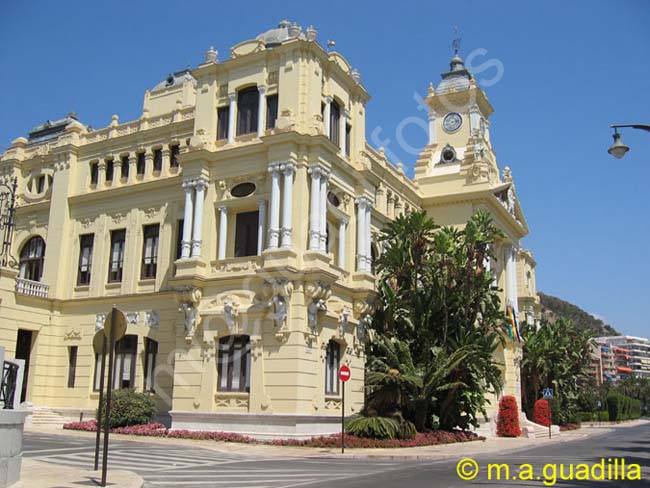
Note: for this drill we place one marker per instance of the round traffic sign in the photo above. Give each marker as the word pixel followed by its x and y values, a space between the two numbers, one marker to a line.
pixel 120 324
pixel 344 373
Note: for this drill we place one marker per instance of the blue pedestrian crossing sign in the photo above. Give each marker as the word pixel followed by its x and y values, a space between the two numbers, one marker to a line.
pixel 547 393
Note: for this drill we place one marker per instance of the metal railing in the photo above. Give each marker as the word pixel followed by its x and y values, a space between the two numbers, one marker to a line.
pixel 31 288
pixel 8 385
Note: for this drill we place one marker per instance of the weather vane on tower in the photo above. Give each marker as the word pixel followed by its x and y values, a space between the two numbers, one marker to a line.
pixel 455 44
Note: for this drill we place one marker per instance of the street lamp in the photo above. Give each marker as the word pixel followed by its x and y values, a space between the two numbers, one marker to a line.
pixel 618 149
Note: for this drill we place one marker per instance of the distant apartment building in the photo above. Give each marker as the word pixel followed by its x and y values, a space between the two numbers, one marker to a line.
pixel 623 356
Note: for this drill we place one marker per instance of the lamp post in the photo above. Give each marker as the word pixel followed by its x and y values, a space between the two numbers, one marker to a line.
pixel 618 149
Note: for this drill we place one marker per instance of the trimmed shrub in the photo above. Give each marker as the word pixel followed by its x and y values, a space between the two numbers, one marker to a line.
pixel 615 406
pixel 380 427
pixel 129 407
pixel 508 419
pixel 541 414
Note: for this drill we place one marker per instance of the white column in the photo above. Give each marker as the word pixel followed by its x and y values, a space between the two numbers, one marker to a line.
pixel 474 119
pixel 288 170
pixel 343 121
pixel 261 114
pixel 342 229
pixel 361 233
pixel 261 225
pixel 322 208
pixel 511 277
pixel 231 117
pixel 274 225
pixel 432 127
pixel 368 240
pixel 314 209
pixel 200 187
pixel 223 232
pixel 326 115
pixel 188 186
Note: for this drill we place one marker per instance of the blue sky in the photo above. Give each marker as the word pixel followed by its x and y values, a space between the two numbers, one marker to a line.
pixel 558 73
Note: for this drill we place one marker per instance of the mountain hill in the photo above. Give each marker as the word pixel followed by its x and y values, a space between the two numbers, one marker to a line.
pixel 554 307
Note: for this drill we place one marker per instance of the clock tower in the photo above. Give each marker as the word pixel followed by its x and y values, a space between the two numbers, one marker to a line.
pixel 459 127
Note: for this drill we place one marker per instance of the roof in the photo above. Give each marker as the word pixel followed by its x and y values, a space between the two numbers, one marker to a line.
pixel 175 79
pixel 51 129
pixel 456 79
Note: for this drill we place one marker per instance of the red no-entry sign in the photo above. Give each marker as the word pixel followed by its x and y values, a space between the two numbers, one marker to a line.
pixel 344 373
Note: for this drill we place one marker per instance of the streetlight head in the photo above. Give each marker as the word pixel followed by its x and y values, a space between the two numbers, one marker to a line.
pixel 618 149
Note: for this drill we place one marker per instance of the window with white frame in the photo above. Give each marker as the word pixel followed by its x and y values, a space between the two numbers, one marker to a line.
pixel 234 363
pixel 332 363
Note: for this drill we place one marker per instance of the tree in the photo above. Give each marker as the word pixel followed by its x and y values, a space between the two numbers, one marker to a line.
pixel 556 355
pixel 438 306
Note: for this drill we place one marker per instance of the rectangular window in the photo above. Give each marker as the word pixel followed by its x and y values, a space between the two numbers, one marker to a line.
pixel 140 163
pixel 98 371
pixel 125 167
pixel 72 365
pixel 125 362
pixel 246 234
pixel 85 258
pixel 348 132
pixel 40 184
pixel 332 361
pixel 271 111
pixel 222 122
pixel 150 352
pixel 116 260
pixel 94 173
pixel 247 110
pixel 109 170
pixel 150 251
pixel 335 116
pixel 179 238
pixel 234 364
pixel 157 160
pixel 174 151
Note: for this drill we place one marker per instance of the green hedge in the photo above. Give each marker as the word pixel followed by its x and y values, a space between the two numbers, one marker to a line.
pixel 602 416
pixel 129 407
pixel 622 407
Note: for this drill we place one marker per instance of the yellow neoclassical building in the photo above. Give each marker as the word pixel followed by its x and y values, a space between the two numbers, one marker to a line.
pixel 235 224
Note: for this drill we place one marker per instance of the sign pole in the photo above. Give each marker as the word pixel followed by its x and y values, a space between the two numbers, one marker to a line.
pixel 343 417
pixel 111 341
pixel 101 403
pixel 550 419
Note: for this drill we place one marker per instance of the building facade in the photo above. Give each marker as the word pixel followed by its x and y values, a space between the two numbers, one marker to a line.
pixel 626 356
pixel 235 224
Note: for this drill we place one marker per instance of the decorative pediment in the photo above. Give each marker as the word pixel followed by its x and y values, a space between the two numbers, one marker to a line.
pixel 247 47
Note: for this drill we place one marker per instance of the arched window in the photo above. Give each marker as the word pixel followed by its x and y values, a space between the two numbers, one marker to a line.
pixel 234 363
pixel 332 362
pixel 247 110
pixel 335 117
pixel 32 259
pixel 150 353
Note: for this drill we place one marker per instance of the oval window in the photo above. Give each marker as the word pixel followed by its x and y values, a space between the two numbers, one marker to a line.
pixel 243 190
pixel 333 199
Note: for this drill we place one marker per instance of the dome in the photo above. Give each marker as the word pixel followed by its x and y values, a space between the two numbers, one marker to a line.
pixel 457 79
pixel 174 79
pixel 283 32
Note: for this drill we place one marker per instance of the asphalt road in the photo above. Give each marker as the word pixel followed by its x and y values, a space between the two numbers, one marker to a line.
pixel 184 466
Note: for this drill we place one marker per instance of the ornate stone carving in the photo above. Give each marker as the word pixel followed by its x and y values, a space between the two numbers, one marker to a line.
pixel 100 318
pixel 230 312
pixel 152 319
pixel 132 318
pixel 317 293
pixel 73 335
pixel 188 299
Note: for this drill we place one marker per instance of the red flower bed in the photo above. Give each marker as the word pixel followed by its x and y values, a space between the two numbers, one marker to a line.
pixel 542 413
pixel 508 419
pixel 159 430
pixel 569 427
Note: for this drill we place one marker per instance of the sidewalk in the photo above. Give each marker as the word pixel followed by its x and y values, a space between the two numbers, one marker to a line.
pixel 37 474
pixel 440 452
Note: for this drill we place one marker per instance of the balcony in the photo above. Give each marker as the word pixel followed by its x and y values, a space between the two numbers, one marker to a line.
pixel 31 288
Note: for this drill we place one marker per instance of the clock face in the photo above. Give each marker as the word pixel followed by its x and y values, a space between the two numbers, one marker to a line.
pixel 452 122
